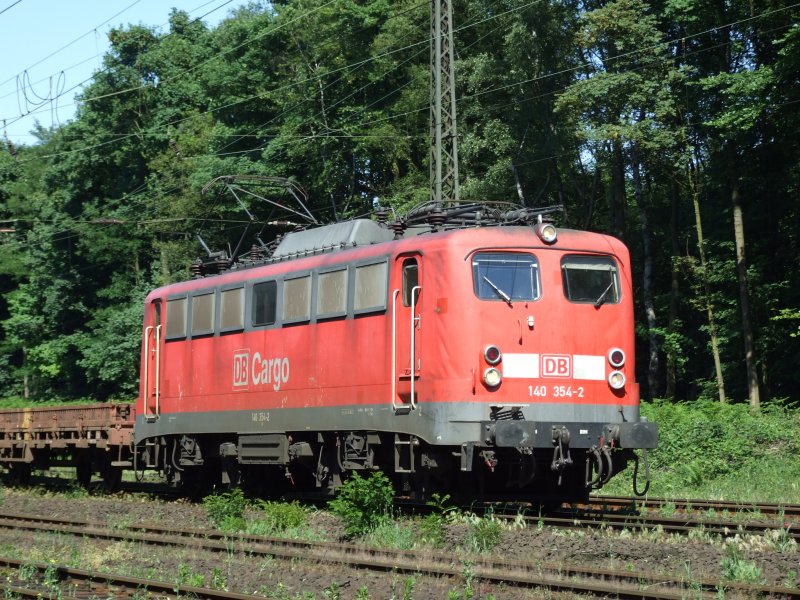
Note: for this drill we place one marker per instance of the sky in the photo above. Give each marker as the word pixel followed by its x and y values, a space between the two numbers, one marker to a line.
pixel 48 47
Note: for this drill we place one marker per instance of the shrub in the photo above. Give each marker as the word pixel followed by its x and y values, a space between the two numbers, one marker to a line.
pixel 706 448
pixel 363 503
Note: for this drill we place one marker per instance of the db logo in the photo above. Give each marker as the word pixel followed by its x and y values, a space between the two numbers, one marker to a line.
pixel 241 368
pixel 556 365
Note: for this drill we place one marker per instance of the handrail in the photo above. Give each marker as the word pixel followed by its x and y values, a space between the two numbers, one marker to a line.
pixel 394 348
pixel 146 386
pixel 158 370
pixel 413 336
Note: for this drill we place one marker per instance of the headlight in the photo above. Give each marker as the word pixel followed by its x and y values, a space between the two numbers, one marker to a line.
pixel 616 357
pixel 547 232
pixel 492 355
pixel 616 380
pixel 492 377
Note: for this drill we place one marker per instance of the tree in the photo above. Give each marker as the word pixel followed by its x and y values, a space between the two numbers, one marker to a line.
pixel 625 101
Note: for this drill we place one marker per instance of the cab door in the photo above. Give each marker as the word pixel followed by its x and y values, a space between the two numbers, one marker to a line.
pixel 406 301
pixel 151 361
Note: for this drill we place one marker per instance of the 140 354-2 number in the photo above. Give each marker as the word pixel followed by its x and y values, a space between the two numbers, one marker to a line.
pixel 557 391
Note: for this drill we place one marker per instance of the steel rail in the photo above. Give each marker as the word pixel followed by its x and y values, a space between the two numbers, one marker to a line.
pixel 678 525
pixel 621 584
pixel 688 504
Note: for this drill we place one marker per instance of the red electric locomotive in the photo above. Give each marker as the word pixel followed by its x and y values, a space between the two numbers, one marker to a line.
pixel 467 350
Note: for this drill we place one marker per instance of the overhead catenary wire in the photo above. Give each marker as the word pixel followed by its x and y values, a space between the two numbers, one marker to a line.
pixel 52 101
pixel 10 6
pixel 98 54
pixel 205 62
pixel 273 90
pixel 67 45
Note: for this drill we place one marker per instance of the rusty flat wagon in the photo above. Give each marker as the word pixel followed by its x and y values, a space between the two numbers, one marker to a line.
pixel 93 438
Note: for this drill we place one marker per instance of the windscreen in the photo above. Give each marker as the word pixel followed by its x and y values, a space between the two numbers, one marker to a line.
pixel 505 276
pixel 590 279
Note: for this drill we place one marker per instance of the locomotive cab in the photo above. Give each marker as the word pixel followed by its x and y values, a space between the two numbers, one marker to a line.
pixel 544 326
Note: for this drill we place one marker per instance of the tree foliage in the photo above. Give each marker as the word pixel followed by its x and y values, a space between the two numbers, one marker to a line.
pixel 621 110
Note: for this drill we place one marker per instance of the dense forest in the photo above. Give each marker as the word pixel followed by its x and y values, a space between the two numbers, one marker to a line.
pixel 672 124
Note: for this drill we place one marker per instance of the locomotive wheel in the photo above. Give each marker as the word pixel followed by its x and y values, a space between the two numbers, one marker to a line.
pixel 197 482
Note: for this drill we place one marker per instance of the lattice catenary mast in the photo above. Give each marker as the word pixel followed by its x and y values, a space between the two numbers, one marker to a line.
pixel 444 147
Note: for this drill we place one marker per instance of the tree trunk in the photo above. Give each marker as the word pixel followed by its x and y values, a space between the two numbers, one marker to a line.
pixel 674 292
pixel 618 190
pixel 741 271
pixel 26 391
pixel 712 326
pixel 520 192
pixel 647 276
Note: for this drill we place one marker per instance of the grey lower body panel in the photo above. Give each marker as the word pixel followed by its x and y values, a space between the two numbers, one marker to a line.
pixel 439 424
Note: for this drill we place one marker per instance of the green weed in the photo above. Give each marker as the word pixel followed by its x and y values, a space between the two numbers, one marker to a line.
pixel 218 580
pixel 284 515
pixel 790 581
pixel 735 567
pixel 333 591
pixel 392 534
pixel 26 572
pixel 484 534
pixel 362 593
pixel 432 527
pixel 188 577
pixel 226 511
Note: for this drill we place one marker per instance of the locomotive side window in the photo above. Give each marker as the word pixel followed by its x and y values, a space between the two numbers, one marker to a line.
pixel 265 296
pixel 231 310
pixel 297 299
pixel 590 279
pixel 176 318
pixel 332 293
pixel 203 314
pixel 370 289
pixel 505 276
pixel 410 280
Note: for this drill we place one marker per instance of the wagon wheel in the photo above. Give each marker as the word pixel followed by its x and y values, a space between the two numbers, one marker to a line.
pixel 112 477
pixel 83 469
pixel 20 473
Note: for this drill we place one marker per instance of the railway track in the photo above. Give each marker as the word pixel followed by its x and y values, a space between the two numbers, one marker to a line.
pixel 43 580
pixel 561 577
pixel 622 513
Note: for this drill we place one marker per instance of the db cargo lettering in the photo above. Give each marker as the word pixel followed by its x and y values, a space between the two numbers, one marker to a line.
pixel 272 370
